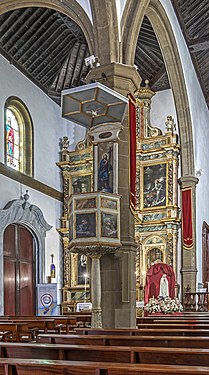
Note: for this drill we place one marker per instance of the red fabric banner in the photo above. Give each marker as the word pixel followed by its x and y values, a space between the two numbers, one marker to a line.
pixel 132 152
pixel 154 274
pixel 187 217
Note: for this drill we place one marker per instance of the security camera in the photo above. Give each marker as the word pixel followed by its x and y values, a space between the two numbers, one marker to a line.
pixel 200 172
pixel 92 61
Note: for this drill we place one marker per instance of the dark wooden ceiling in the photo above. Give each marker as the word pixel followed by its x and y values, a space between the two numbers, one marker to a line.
pixel 46 46
pixel 193 16
pixel 50 48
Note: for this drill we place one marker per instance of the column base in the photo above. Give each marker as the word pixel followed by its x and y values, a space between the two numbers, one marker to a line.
pixel 96 319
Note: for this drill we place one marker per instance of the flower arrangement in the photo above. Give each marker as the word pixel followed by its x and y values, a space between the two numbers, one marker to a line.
pixel 163 305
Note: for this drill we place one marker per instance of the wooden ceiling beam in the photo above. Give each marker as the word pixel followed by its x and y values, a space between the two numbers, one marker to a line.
pixel 52 55
pixel 20 25
pixel 21 69
pixel 33 57
pixel 198 44
pixel 53 64
pixel 32 41
pixel 29 28
pixel 158 76
pixel 8 20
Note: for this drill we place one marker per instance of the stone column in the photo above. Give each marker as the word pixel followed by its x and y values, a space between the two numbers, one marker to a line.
pixel 118 276
pixel 188 256
pixel 96 321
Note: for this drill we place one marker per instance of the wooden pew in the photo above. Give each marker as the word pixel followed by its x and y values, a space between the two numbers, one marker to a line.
pixel 173 325
pixel 152 330
pixel 71 339
pixel 173 331
pixel 177 318
pixel 39 367
pixel 181 321
pixel 141 340
pixel 14 331
pixel 46 324
pixel 120 354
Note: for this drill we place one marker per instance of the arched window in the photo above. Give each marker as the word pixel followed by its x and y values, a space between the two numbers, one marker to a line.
pixel 18 136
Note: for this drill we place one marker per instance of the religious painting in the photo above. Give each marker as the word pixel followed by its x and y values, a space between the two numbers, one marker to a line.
pixel 86 225
pixel 109 203
pixel 79 271
pixel 81 184
pixel 85 203
pixel 154 256
pixel 82 269
pixel 154 177
pixel 109 225
pixel 105 167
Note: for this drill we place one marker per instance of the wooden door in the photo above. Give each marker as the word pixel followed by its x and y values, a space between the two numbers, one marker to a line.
pixel 205 252
pixel 19 271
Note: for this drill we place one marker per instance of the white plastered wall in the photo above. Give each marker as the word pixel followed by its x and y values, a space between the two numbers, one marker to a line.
pixel 200 125
pixel 162 106
pixel 49 127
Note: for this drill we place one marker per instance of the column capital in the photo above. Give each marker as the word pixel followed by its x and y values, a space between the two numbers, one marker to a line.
pixel 95 256
pixel 186 181
pixel 120 77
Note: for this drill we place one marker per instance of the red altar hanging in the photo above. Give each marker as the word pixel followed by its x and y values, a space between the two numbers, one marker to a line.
pixel 187 217
pixel 132 151
pixel 154 274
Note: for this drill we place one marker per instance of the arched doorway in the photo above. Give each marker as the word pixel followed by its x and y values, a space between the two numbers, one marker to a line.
pixel 29 219
pixel 19 271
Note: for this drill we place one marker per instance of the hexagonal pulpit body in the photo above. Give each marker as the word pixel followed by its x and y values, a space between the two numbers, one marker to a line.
pixel 94 220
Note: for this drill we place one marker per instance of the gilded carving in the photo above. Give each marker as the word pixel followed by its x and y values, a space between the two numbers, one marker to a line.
pixel 156 191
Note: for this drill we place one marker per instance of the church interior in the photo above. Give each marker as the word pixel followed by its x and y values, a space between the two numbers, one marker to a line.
pixel 104 186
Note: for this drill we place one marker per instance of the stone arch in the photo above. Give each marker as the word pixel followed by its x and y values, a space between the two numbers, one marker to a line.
pixel 105 30
pixel 161 25
pixel 133 15
pixel 72 9
pixel 21 212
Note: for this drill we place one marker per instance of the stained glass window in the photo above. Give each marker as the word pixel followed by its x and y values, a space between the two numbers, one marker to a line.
pixel 18 136
pixel 12 140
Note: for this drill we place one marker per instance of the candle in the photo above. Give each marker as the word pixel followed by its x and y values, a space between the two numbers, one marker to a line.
pixel 85 277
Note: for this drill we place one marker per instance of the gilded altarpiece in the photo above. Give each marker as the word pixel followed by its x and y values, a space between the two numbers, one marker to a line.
pixel 77 171
pixel 157 212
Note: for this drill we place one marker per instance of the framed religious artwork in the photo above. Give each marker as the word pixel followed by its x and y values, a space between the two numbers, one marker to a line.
pixel 109 203
pixel 86 225
pixel 85 203
pixel 154 186
pixel 80 184
pixel 109 225
pixel 105 167
pixel 80 271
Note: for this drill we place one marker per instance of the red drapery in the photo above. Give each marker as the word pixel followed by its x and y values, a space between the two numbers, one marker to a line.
pixel 132 146
pixel 154 274
pixel 187 217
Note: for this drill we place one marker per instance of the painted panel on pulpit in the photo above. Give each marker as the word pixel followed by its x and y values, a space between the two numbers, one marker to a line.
pixel 85 203
pixel 109 203
pixel 154 182
pixel 109 225
pixel 85 225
